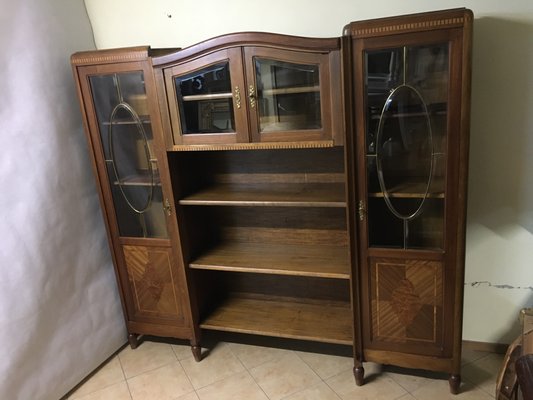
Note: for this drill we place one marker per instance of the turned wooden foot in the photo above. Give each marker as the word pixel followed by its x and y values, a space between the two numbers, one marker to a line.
pixel 133 340
pixel 455 382
pixel 359 374
pixel 197 352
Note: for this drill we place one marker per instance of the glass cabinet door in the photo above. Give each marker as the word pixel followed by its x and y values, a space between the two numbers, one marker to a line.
pixel 127 143
pixel 406 95
pixel 207 99
pixel 287 94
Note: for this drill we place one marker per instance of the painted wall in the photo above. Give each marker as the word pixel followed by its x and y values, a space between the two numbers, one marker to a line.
pixel 60 314
pixel 499 264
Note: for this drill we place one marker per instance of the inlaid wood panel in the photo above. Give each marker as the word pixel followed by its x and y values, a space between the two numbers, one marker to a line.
pixel 152 281
pixel 406 300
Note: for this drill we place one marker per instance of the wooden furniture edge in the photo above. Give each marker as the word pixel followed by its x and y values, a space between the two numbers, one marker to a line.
pixel 107 56
pixel 253 146
pixel 277 40
pixel 442 19
pixel 116 55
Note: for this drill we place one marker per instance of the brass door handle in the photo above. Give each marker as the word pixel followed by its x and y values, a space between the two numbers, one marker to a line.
pixel 251 94
pixel 167 208
pixel 237 96
pixel 361 210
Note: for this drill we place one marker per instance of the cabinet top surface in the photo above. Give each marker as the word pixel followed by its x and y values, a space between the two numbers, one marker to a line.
pixel 274 40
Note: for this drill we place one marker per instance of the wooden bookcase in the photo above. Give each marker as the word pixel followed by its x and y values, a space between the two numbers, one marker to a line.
pixel 268 227
pixel 300 188
pixel 407 154
pixel 122 123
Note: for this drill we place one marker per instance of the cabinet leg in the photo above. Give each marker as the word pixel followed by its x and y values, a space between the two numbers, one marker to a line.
pixel 133 340
pixel 196 352
pixel 359 374
pixel 455 382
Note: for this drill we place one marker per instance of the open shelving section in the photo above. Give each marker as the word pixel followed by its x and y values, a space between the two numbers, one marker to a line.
pixel 270 253
pixel 281 259
pixel 275 194
pixel 282 317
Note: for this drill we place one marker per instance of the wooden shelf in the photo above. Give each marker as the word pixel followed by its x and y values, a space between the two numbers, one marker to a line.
pixel 210 96
pixel 295 318
pixel 138 180
pixel 282 259
pixel 409 114
pixel 145 119
pixel 291 90
pixel 276 194
pixel 410 190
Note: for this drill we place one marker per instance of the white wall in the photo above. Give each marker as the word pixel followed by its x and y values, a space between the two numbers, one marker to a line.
pixel 60 314
pixel 500 219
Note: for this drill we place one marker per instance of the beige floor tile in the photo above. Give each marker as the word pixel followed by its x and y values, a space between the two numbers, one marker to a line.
pixel 483 372
pixel 317 392
pixel 469 356
pixel 440 390
pixel 190 396
pixel 253 356
pixel 108 375
pixel 182 351
pixel 380 387
pixel 118 391
pixel 220 363
pixel 326 365
pixel 165 383
pixel 284 376
pixel 407 396
pixel 146 357
pixel 239 386
pixel 415 380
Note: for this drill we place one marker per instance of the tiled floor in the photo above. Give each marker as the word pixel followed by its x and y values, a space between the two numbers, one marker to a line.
pixel 165 371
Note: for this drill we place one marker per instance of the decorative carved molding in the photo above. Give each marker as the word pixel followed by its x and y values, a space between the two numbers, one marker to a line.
pixel 86 58
pixel 254 146
pixel 438 23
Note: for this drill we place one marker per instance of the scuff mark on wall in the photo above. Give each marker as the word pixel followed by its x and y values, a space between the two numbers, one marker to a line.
pixel 497 286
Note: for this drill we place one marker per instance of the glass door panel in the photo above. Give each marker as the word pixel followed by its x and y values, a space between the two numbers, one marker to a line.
pixel 406 91
pixel 288 95
pixel 205 100
pixel 127 142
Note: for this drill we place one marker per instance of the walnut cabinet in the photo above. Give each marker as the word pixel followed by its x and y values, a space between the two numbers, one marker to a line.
pixel 255 127
pixel 300 188
pixel 253 88
pixel 410 88
pixel 123 128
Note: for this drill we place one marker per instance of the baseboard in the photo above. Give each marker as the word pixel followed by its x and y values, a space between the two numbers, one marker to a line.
pixel 498 348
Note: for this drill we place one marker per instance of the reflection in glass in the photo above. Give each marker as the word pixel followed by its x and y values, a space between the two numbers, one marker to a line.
pixel 205 100
pixel 406 106
pixel 288 95
pixel 127 141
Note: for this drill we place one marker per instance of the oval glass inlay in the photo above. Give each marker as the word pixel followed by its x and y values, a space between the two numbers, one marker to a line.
pixel 404 152
pixel 128 146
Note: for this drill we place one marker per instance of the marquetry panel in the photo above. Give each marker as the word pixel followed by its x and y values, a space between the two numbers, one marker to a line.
pixel 151 281
pixel 406 300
